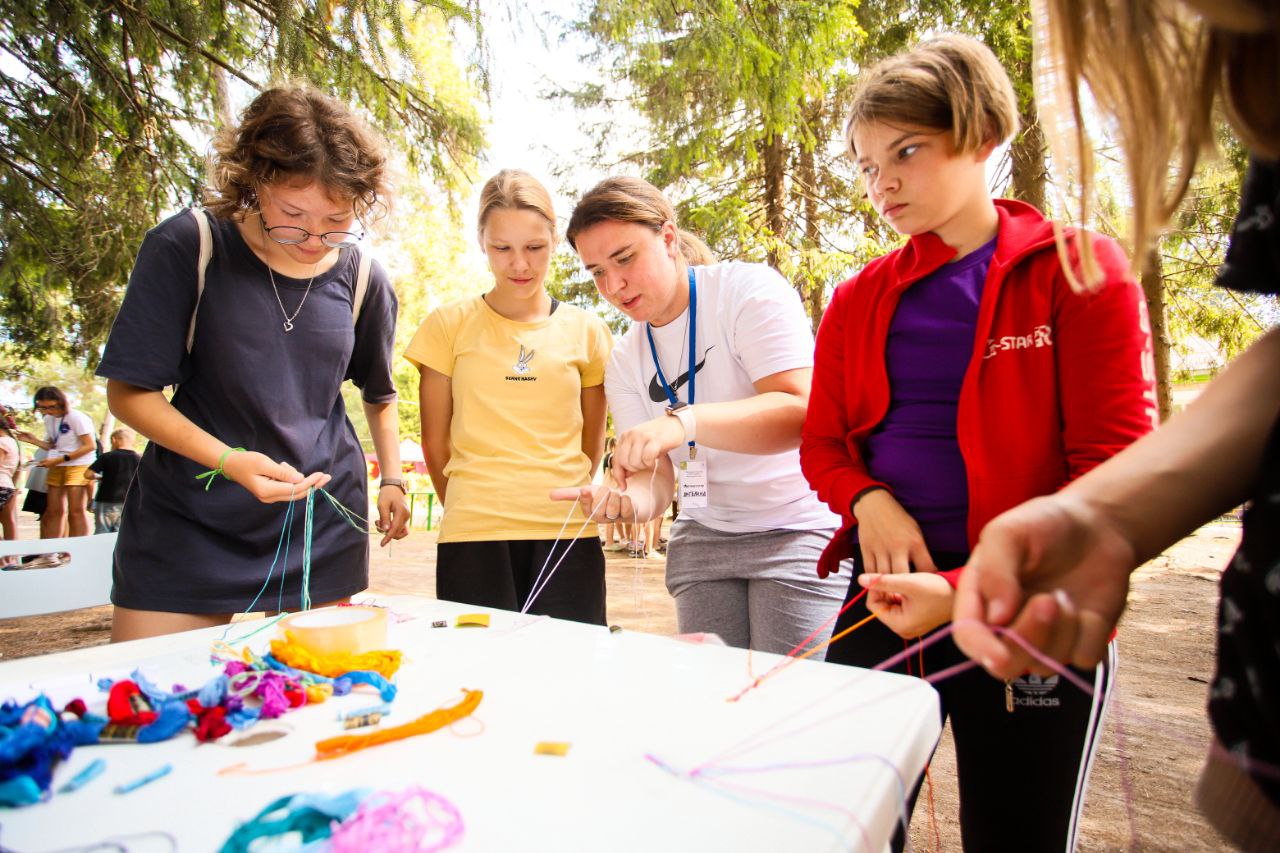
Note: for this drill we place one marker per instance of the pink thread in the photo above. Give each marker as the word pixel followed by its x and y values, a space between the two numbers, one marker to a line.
pixel 414 819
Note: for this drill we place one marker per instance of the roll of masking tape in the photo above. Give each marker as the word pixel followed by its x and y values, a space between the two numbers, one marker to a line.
pixel 348 630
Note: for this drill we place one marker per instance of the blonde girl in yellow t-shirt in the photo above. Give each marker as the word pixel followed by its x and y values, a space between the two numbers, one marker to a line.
pixel 512 401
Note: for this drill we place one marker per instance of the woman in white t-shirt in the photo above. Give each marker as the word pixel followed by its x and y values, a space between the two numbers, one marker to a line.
pixel 69 440
pixel 712 377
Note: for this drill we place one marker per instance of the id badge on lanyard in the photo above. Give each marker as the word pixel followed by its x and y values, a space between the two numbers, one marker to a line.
pixel 692 471
pixel 693 483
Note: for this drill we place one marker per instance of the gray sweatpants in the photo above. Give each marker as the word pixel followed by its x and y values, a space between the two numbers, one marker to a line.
pixel 757 590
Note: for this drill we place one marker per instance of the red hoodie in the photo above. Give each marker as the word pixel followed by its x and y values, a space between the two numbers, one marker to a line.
pixel 1058 382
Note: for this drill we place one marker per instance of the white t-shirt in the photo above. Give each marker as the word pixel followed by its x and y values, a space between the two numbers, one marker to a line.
pixel 65 434
pixel 750 325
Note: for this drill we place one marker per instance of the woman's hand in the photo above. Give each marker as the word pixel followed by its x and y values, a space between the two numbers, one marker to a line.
pixel 890 539
pixel 24 436
pixel 599 503
pixel 911 605
pixel 393 514
pixel 49 462
pixel 639 448
pixel 269 481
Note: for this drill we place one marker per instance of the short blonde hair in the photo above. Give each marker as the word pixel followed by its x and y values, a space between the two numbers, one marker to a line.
pixel 125 434
pixel 953 84
pixel 512 189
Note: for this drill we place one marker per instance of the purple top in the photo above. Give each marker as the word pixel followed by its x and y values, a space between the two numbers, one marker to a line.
pixel 914 449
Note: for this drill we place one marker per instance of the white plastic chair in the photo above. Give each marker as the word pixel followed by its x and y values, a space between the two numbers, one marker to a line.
pixel 83 580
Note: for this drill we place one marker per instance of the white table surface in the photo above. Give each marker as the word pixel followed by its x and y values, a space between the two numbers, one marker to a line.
pixel 812 769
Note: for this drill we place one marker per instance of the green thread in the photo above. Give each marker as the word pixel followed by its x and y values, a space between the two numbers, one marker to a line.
pixel 210 476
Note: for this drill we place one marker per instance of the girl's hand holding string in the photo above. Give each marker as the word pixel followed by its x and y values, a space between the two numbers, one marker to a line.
pixel 393 514
pixel 1055 571
pixel 911 605
pixel 890 539
pixel 599 503
pixel 270 481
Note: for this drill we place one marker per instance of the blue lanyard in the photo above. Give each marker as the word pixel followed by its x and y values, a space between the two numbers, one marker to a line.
pixel 693 340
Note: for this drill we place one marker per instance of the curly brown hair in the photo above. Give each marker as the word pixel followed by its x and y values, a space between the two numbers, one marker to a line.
pixel 290 133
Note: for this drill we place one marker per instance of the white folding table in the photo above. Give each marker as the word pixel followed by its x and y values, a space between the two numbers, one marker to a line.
pixel 815 758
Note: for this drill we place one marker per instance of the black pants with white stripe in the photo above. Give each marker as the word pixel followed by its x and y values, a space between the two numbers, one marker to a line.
pixel 1022 773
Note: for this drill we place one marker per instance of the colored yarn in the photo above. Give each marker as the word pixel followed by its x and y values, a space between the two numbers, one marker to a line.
pixel 310 816
pixel 127 705
pixel 33 740
pixel 336 747
pixel 288 651
pixel 412 819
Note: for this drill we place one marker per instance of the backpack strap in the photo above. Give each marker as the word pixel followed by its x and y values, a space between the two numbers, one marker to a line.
pixel 362 285
pixel 206 252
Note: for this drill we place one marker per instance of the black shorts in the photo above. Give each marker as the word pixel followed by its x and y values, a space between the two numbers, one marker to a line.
pixel 502 574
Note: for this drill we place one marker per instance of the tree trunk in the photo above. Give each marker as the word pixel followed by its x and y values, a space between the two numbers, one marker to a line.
pixel 774 160
pixel 222 98
pixel 1027 154
pixel 811 289
pixel 1153 288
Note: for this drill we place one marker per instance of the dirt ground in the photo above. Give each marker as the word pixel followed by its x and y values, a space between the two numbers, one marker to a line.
pixel 1155 738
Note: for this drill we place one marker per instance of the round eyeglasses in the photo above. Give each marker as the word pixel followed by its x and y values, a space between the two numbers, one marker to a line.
pixel 291 235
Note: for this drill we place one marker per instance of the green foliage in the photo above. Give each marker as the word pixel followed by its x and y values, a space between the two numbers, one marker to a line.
pixel 1193 248
pixel 740 101
pixel 103 104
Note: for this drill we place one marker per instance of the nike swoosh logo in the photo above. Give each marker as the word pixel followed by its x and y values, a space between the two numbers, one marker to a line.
pixel 657 395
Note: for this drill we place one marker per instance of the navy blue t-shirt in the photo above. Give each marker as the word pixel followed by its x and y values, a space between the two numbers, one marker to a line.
pixel 251 384
pixel 1244 700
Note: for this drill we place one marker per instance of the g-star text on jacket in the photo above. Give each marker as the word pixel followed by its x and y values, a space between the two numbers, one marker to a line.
pixel 1041 336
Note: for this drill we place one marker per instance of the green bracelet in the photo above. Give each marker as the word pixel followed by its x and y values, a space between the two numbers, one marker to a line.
pixel 210 476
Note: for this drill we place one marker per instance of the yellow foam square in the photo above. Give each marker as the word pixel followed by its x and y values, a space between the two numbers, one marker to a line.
pixel 473 620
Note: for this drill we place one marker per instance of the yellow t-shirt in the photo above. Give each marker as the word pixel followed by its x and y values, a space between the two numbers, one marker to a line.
pixel 516 431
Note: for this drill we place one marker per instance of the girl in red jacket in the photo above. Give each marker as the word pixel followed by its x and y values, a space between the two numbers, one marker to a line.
pixel 954 378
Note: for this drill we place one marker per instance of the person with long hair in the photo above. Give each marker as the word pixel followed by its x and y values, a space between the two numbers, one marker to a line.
pixel 71 449
pixel 512 402
pixel 289 310
pixel 955 377
pixel 1055 570
pixel 711 379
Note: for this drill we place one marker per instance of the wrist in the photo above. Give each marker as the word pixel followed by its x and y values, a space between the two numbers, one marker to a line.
pixel 394 482
pixel 860 498
pixel 683 414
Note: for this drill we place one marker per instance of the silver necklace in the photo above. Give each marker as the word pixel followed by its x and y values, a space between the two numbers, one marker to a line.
pixel 288 320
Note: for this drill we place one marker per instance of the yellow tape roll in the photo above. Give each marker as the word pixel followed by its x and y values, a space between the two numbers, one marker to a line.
pixel 350 630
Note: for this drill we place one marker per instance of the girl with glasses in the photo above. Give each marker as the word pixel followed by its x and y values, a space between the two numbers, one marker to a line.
pixel 259 357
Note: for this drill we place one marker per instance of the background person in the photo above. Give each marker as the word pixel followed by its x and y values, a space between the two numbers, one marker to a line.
pixel 69 440
pixel 115 469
